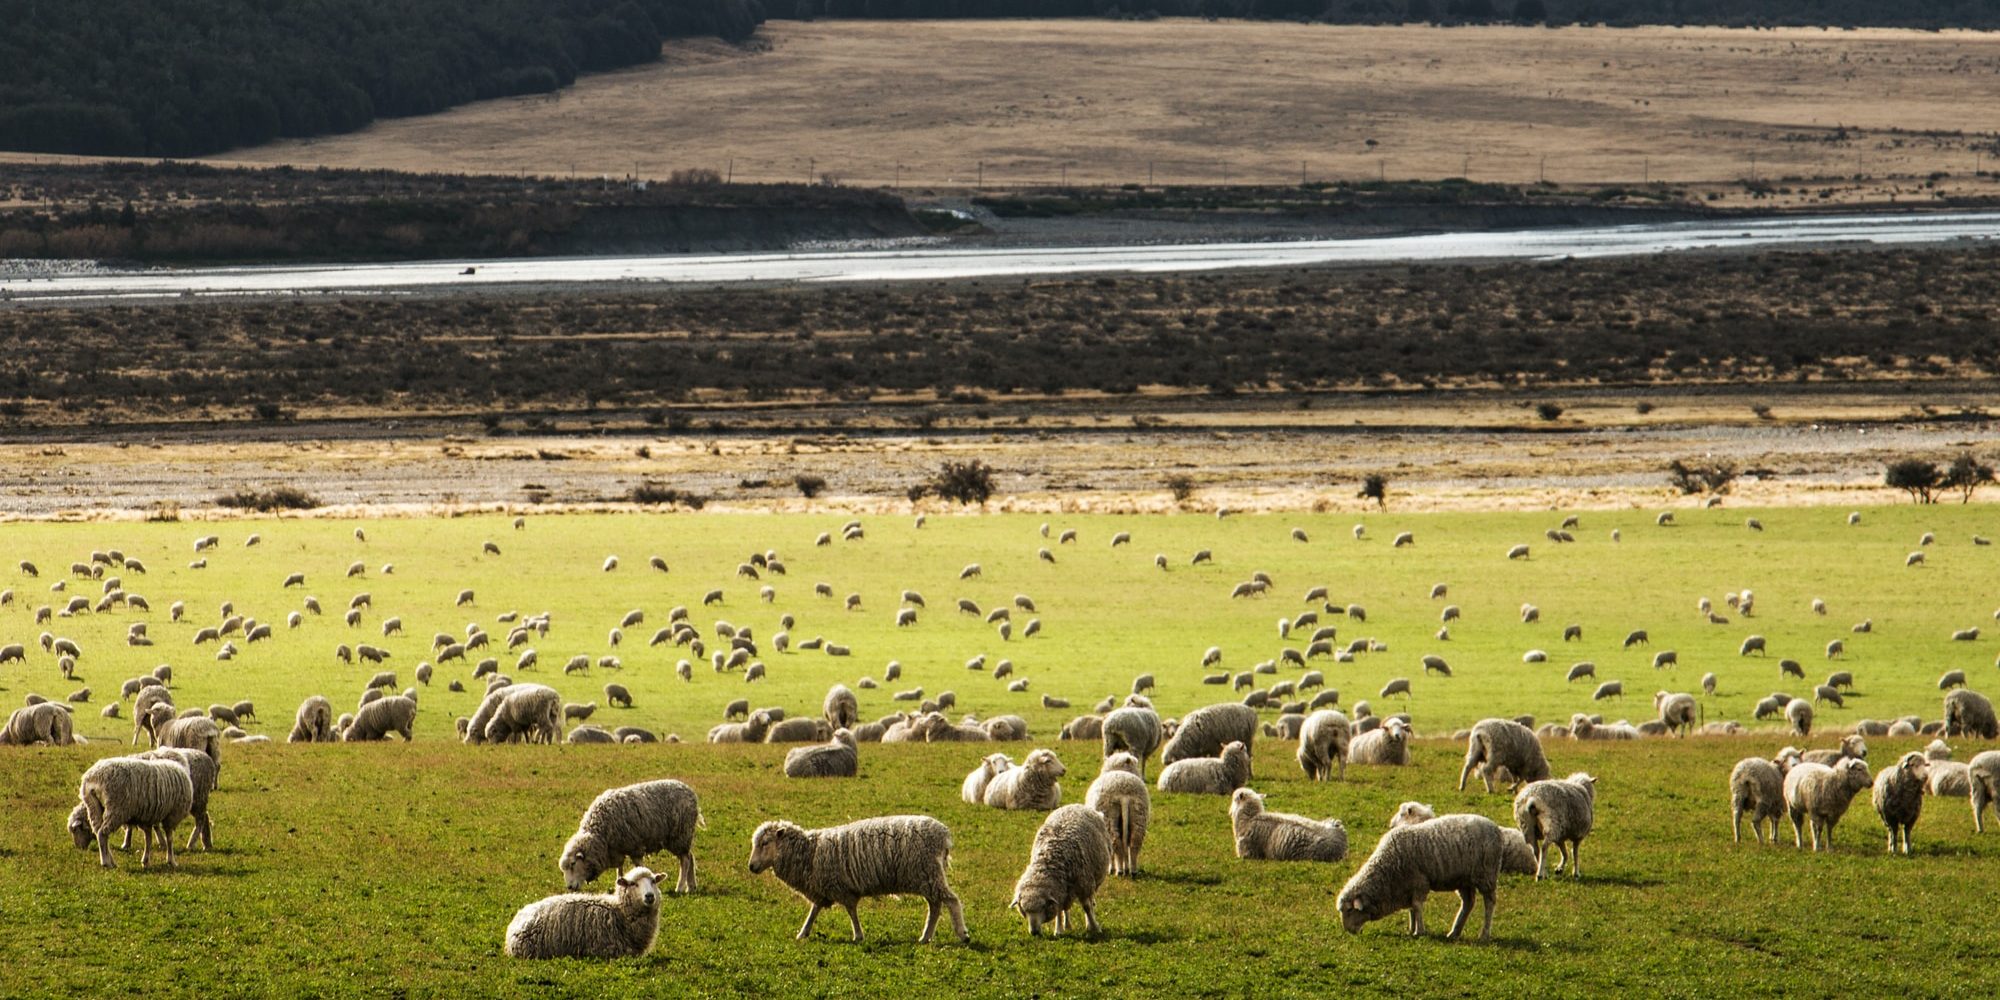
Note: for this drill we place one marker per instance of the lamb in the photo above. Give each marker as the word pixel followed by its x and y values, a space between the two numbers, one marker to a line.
pixel 871 857
pixel 1558 812
pixel 1132 730
pixel 1389 745
pixel 1032 785
pixel 1219 775
pixel 1503 744
pixel 1899 796
pixel 579 925
pixel 1271 836
pixel 1756 788
pixel 1120 795
pixel 1460 853
pixel 1323 745
pixel 377 719
pixel 629 823
pixel 1678 712
pixel 1820 794
pixel 1969 713
pixel 1982 777
pixel 751 731
pixel 153 795
pixel 1205 731
pixel 973 789
pixel 1067 865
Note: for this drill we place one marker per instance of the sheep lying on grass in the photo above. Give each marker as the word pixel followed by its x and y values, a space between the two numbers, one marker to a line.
pixel 579 925
pixel 1032 785
pixel 1273 836
pixel 871 857
pixel 833 759
pixel 1209 775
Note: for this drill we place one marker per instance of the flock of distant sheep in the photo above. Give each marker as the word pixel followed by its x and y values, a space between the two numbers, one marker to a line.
pixel 1207 751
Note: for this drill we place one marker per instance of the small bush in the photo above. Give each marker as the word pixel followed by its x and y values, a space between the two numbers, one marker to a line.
pixel 1375 486
pixel 1918 478
pixel 809 486
pixel 1181 486
pixel 269 411
pixel 655 493
pixel 960 482
pixel 1644 408
pixel 1548 411
pixel 164 511
pixel 1966 475
pixel 1691 478
pixel 1762 410
pixel 274 499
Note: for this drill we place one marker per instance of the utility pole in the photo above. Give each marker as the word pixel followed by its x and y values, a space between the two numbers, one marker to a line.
pixel 982 174
pixel 812 167
pixel 729 177
pixel 1545 169
pixel 899 175
pixel 1149 173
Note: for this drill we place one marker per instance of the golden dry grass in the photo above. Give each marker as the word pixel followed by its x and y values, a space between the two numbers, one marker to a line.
pixel 1098 101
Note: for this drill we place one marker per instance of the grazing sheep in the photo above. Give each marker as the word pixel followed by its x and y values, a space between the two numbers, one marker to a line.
pixel 1982 779
pixel 1535 656
pixel 1827 693
pixel 1756 788
pixel 1434 663
pixel 1205 731
pixel 631 822
pixel 1666 658
pixel 1800 714
pixel 1518 552
pixel 1132 730
pixel 1218 775
pixel 202 770
pixel 1389 745
pixel 1503 744
pixel 872 857
pixel 1899 796
pixel 1034 784
pixel 1272 836
pixel 117 792
pixel 1678 712
pixel 1071 854
pixel 1399 685
pixel 1458 853
pixel 578 925
pixel 1323 744
pixel 1951 679
pixel 531 712
pixel 1969 713
pixel 1751 644
pixel 377 719
pixel 313 723
pixel 1819 794
pixel 1558 812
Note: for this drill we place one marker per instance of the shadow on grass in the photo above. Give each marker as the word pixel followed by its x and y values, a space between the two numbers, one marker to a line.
pixel 1178 878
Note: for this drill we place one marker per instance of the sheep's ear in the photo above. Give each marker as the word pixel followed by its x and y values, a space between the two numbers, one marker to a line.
pixel 624 882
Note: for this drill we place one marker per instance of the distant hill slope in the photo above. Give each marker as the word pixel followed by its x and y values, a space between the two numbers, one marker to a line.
pixel 1616 13
pixel 186 77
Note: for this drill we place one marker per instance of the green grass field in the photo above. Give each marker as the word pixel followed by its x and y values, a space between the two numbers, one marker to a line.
pixel 381 869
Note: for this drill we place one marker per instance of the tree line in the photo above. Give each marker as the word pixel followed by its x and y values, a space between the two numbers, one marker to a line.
pixel 1617 13
pixel 141 77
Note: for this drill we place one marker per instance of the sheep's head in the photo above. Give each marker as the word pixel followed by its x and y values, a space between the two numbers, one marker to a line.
pixel 769 841
pixel 1916 765
pixel 639 885
pixel 844 737
pixel 1358 905
pixel 1855 746
pixel 1586 781
pixel 1245 802
pixel 1039 908
pixel 1853 772
pixel 1120 761
pixel 79 828
pixel 1412 813
pixel 1045 762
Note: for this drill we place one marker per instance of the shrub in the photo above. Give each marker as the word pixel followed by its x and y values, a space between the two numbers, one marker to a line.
pixel 1548 411
pixel 1918 478
pixel 1690 477
pixel 269 411
pixel 1644 408
pixel 274 499
pixel 1375 486
pixel 1966 475
pixel 1762 410
pixel 809 486
pixel 960 482
pixel 655 493
pixel 1181 486
pixel 163 511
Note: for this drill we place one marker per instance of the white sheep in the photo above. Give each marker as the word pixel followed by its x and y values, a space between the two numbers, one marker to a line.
pixel 1274 836
pixel 871 857
pixel 1819 794
pixel 973 789
pixel 1496 745
pixel 1982 776
pixel 1756 789
pixel 116 792
pixel 1220 775
pixel 1205 731
pixel 1558 812
pixel 617 924
pixel 1388 745
pixel 1899 796
pixel 1066 866
pixel 1120 795
pixel 833 759
pixel 1034 784
pixel 1458 853
pixel 1324 738
pixel 629 823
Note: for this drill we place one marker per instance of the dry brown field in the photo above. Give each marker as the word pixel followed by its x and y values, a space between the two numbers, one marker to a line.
pixel 1021 103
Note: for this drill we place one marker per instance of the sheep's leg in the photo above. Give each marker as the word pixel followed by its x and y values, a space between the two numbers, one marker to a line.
pixel 104 845
pixel 1486 928
pixel 854 921
pixel 931 909
pixel 812 914
pixel 686 882
pixel 1471 761
pixel 1736 826
pixel 1541 859
pixel 1343 768
pixel 1091 926
pixel 1576 859
pixel 146 855
pixel 957 912
pixel 1978 809
pixel 126 844
pixel 1417 918
pixel 1798 834
pixel 167 841
pixel 1465 898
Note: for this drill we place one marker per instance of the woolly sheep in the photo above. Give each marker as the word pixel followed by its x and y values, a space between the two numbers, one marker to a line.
pixel 313 723
pixel 1132 730
pixel 616 924
pixel 117 792
pixel 1034 784
pixel 1969 713
pixel 1850 746
pixel 1387 745
pixel 631 822
pixel 1678 712
pixel 872 857
pixel 1459 853
pixel 1066 866
pixel 1272 836
pixel 1756 789
pixel 517 711
pixel 1982 775
pixel 1899 796
pixel 1503 744
pixel 1323 745
pixel 1205 731
pixel 1119 794
pixel 38 723
pixel 973 789
pixel 1800 714
pixel 1951 679
pixel 1219 775
pixel 377 719
pixel 1818 795
pixel 1558 812
pixel 798 731
pixel 202 771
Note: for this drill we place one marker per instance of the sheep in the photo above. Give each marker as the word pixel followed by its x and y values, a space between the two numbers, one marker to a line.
pixel 313 723
pixel 1006 727
pixel 1205 731
pixel 1756 788
pixel 751 730
pixel 973 789
pixel 631 822
pixel 1083 727
pixel 1518 552
pixel 1460 853
pixel 1850 746
pixel 202 770
pixel 1751 644
pixel 1558 812
pixel 871 857
pixel 1951 679
pixel 1132 730
pixel 1503 744
pixel 1323 745
pixel 1119 794
pixel 1399 685
pixel 1818 794
pixel 1031 785
pixel 1535 656
pixel 151 794
pixel 1434 663
pixel 527 711
pixel 39 722
pixel 1071 854
pixel 1388 745
pixel 1800 715
pixel 1969 713
pixel 1272 836
pixel 800 730
pixel 1679 712
pixel 1637 637
pixel 377 719
pixel 1982 779
pixel 1899 796
pixel 1219 775
pixel 616 924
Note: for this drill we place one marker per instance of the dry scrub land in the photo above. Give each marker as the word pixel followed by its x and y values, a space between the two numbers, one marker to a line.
pixel 1095 102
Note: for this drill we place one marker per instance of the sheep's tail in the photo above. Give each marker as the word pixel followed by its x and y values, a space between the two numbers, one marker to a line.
pixel 1534 821
pixel 1124 820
